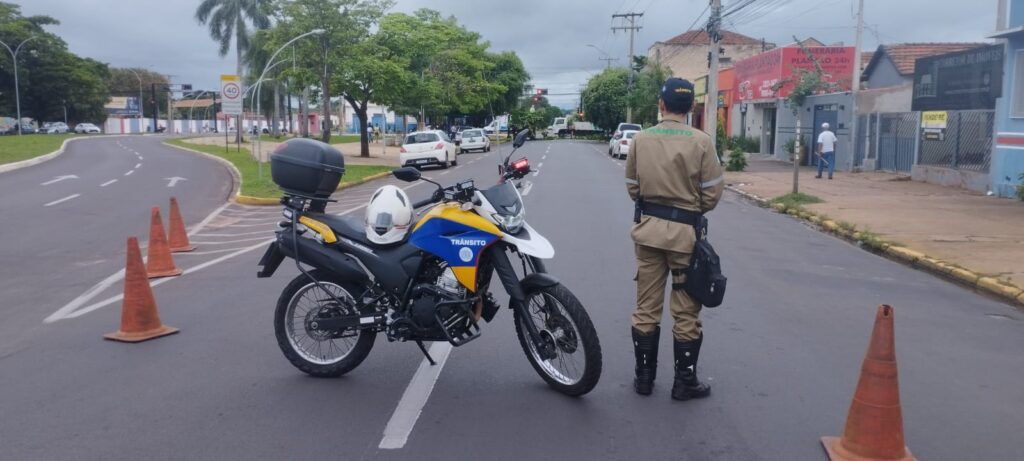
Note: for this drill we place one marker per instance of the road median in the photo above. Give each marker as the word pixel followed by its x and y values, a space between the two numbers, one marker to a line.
pixel 253 189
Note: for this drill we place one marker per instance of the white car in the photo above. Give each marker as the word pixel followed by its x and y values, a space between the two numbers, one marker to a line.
pixel 55 128
pixel 475 139
pixel 84 128
pixel 627 127
pixel 619 146
pixel 424 148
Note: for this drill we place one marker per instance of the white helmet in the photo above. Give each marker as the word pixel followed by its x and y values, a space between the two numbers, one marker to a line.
pixel 388 216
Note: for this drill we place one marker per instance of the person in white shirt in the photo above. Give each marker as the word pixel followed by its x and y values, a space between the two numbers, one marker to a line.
pixel 826 151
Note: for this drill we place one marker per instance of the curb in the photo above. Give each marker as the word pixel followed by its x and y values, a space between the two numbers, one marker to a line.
pixel 1005 291
pixel 52 155
pixel 240 199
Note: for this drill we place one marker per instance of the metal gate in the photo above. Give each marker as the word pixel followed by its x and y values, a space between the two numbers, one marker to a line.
pixel 896 141
pixel 965 144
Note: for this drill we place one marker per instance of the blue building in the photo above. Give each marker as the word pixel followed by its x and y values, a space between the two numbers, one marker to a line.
pixel 1008 153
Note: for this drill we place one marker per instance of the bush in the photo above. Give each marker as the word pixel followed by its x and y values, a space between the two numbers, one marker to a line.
pixel 737 161
pixel 743 144
pixel 1020 188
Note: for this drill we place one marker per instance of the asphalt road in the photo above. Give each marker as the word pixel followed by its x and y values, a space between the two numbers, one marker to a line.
pixel 782 354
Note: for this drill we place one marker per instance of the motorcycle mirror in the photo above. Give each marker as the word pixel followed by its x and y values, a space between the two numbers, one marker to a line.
pixel 520 139
pixel 407 174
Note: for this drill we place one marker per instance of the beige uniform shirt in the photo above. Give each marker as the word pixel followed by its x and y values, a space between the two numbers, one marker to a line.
pixel 672 164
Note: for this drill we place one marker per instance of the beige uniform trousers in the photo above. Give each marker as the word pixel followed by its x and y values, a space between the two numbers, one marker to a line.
pixel 653 268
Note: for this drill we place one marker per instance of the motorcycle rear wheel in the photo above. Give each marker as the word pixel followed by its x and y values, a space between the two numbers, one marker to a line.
pixel 562 320
pixel 305 348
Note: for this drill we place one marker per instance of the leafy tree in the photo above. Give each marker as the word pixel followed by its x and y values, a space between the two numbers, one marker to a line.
pixel 346 25
pixel 508 72
pixel 644 98
pixel 50 77
pixel 123 82
pixel 229 20
pixel 605 98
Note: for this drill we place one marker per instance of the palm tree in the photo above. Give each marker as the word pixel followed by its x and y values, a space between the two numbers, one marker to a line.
pixel 227 19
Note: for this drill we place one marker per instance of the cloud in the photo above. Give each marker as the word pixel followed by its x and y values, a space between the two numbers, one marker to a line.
pixel 550 36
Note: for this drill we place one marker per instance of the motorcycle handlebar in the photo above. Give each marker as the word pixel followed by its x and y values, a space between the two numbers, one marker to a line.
pixel 423 203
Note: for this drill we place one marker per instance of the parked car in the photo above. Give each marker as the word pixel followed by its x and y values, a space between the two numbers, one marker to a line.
pixel 424 148
pixel 55 128
pixel 87 128
pixel 475 139
pixel 619 146
pixel 627 126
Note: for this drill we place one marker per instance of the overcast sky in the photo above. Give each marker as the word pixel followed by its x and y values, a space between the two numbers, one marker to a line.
pixel 551 37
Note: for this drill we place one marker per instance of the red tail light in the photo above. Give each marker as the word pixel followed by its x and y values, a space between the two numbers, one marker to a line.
pixel 439 145
pixel 624 142
pixel 521 164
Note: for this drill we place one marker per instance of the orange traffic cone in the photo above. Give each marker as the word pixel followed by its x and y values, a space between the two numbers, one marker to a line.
pixel 178 238
pixel 159 262
pixel 874 425
pixel 139 318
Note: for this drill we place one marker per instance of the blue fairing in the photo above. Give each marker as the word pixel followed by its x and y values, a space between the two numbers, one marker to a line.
pixel 459 245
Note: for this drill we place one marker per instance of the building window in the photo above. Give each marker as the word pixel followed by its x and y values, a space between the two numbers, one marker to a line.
pixel 1017 109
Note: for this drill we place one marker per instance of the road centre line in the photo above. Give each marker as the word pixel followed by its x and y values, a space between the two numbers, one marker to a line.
pixel 137 165
pixel 199 253
pixel 240 234
pixel 129 173
pixel 63 199
pixel 410 406
pixel 265 223
pixel 108 183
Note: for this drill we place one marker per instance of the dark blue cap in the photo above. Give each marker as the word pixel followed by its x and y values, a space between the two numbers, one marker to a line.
pixel 677 92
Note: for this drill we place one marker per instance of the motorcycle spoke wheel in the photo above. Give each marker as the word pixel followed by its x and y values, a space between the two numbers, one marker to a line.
pixel 573 365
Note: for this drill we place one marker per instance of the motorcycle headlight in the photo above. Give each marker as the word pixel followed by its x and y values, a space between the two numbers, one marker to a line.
pixel 509 223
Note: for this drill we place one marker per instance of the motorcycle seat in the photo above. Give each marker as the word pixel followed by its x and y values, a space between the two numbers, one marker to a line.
pixel 349 227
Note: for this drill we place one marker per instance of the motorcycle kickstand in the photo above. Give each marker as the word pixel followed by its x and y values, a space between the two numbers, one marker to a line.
pixel 425 353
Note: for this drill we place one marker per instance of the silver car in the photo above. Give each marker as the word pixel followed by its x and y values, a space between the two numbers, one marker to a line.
pixel 475 139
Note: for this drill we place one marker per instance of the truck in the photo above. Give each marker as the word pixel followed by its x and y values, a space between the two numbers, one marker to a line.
pixel 561 127
pixel 500 123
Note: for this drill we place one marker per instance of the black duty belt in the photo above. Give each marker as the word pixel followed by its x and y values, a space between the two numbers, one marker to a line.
pixel 669 213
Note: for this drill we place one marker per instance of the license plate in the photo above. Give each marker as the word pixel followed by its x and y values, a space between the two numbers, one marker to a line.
pixel 423 160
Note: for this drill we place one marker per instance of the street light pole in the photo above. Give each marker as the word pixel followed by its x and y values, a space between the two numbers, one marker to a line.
pixel 17 95
pixel 270 63
pixel 141 103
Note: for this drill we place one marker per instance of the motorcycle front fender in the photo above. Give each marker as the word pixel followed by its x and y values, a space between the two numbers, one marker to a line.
pixel 530 242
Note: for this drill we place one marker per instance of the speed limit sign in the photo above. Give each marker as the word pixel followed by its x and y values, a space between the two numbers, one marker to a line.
pixel 231 94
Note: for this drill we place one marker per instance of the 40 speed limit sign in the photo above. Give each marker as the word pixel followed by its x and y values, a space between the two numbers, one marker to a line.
pixel 231 94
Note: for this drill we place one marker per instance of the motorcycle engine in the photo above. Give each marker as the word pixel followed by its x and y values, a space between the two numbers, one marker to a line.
pixel 445 287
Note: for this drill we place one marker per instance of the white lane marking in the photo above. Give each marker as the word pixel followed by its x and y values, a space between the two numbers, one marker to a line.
pixel 139 156
pixel 63 199
pixel 58 179
pixel 137 165
pixel 540 164
pixel 396 433
pixel 116 277
pixel 443 173
pixel 267 223
pixel 535 173
pixel 544 157
pixel 232 241
pixel 241 234
pixel 129 173
pixel 172 181
pixel 108 183
pixel 211 252
pixel 114 299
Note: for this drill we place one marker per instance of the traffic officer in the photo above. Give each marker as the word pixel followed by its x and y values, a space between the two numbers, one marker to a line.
pixel 674 176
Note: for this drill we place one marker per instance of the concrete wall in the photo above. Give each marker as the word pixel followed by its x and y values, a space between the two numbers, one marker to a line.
pixel 691 61
pixel 1008 155
pixel 880 100
pixel 786 127
pixel 885 74
pixel 970 180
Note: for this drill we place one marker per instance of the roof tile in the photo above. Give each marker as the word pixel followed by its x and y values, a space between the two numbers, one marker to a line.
pixel 903 55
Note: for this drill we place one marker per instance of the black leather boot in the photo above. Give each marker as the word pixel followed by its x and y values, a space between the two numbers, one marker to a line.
pixel 686 385
pixel 645 346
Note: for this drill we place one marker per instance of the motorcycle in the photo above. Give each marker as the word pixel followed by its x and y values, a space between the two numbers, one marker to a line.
pixel 433 286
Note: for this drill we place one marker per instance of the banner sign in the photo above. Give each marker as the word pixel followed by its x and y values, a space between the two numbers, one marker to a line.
pixel 933 125
pixel 122 105
pixel 231 94
pixel 757 76
pixel 964 80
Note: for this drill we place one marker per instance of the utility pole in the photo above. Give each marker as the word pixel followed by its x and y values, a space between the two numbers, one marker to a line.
pixel 608 61
pixel 632 28
pixel 711 103
pixel 855 84
pixel 156 106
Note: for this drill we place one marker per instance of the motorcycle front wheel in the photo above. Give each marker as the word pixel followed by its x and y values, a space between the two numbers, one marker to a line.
pixel 563 323
pixel 320 353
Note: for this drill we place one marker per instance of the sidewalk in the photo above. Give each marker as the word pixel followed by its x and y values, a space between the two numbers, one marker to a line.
pixel 378 155
pixel 983 234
